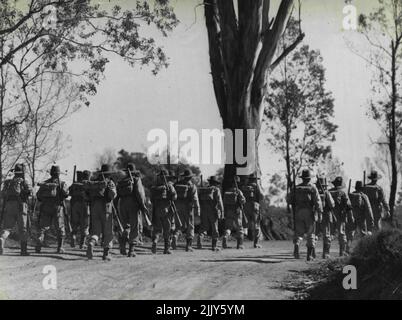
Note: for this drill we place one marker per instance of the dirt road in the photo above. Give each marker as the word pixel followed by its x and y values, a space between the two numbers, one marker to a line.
pixel 202 274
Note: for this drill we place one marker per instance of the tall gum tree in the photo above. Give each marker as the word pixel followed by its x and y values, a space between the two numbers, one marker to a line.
pixel 242 49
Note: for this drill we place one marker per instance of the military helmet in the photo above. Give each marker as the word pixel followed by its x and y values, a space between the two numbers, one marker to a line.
pixel 358 185
pixel 322 181
pixel 374 175
pixel 213 180
pixel 106 168
pixel 131 167
pixel 163 172
pixel 19 168
pixel 79 175
pixel 338 181
pixel 306 174
pixel 54 170
pixel 187 173
pixel 86 175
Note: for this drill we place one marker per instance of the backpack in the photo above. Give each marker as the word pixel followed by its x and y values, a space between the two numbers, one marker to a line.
pixel 48 190
pixel 182 191
pixel 96 189
pixel 337 196
pixel 125 187
pixel 230 198
pixel 356 199
pixel 77 190
pixel 13 188
pixel 248 192
pixel 303 196
pixel 373 194
pixel 206 194
pixel 159 192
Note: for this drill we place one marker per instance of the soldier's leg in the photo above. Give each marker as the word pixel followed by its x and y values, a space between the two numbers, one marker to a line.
pixel 125 213
pixel 257 228
pixel 311 238
pixel 134 231
pixel 60 228
pixel 84 224
pixel 213 218
pixel 298 235
pixel 9 221
pixel 166 227
pixel 326 232
pixel 190 230
pixel 156 230
pixel 226 235
pixel 96 229
pixel 350 233
pixel 107 223
pixel 45 221
pixel 239 233
pixel 22 222
pixel 75 221
pixel 342 237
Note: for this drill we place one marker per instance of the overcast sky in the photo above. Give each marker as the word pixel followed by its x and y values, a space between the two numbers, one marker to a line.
pixel 130 102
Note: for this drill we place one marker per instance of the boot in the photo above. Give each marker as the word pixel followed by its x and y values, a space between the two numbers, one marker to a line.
pixel 167 246
pixel 123 242
pixel 309 252
pixel 131 252
pixel 153 249
pixel 60 245
pixel 341 249
pixel 224 243
pixel 90 250
pixel 199 242
pixel 296 253
pixel 313 255
pixel 325 253
pixel 106 255
pixel 82 242
pixel 73 238
pixel 214 243
pixel 24 248
pixel 256 244
pixel 189 245
pixel 174 242
pixel 1 246
pixel 240 243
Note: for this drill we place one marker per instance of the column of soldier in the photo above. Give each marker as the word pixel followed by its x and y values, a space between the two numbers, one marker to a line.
pixel 99 206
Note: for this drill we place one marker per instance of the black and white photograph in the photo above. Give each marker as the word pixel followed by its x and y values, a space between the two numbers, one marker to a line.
pixel 216 152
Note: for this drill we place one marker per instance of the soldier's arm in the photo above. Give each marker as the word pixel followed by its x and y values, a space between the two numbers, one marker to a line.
pixel 27 189
pixel 317 200
pixel 348 207
pixel 172 194
pixel 368 212
pixel 64 190
pixel 330 201
pixel 241 199
pixel 111 189
pixel 194 199
pixel 382 199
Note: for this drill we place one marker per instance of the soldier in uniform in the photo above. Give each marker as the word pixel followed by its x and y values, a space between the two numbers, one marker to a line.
pixel 132 201
pixel 211 205
pixel 187 206
pixel 343 213
pixel 362 212
pixel 51 195
pixel 102 192
pixel 307 206
pixel 233 202
pixel 376 196
pixel 328 205
pixel 161 196
pixel 79 208
pixel 15 195
pixel 253 195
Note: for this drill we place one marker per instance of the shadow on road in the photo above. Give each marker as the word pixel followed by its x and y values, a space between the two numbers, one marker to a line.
pixel 245 260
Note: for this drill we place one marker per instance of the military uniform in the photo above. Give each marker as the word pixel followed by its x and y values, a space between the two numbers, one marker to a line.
pixel 211 205
pixel 51 195
pixel 233 202
pixel 162 218
pixel 15 197
pixel 253 195
pixel 187 204
pixel 328 205
pixel 343 214
pixel 79 208
pixel 377 200
pixel 308 210
pixel 132 201
pixel 102 193
pixel 362 212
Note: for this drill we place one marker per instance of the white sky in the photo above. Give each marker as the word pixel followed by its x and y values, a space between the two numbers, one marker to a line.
pixel 130 102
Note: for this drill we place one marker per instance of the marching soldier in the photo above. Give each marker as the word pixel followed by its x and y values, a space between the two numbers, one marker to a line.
pixel 363 214
pixel 211 205
pixel 102 193
pixel 307 206
pixel 343 213
pixel 376 196
pixel 328 205
pixel 79 208
pixel 51 195
pixel 187 205
pixel 162 194
pixel 233 202
pixel 132 201
pixel 253 195
pixel 15 209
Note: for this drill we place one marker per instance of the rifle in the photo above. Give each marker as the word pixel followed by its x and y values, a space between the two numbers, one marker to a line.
pixel 202 181
pixel 245 220
pixel 74 173
pixel 173 205
pixel 364 178
pixel 144 214
pixel 63 204
pixel 350 186
pixel 28 213
pixel 294 198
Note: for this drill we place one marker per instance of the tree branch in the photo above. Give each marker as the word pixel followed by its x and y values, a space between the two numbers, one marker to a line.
pixel 286 51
